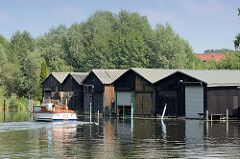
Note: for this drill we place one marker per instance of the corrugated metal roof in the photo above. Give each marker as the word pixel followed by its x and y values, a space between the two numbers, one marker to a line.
pixel 107 76
pixel 79 76
pixel 153 75
pixel 215 78
pixel 60 76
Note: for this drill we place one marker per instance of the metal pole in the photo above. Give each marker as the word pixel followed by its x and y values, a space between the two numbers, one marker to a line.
pixel 90 112
pixel 123 111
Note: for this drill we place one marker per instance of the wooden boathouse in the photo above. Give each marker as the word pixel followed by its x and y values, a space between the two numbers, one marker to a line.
pixel 98 90
pixel 193 92
pixel 135 87
pixel 72 91
pixel 52 85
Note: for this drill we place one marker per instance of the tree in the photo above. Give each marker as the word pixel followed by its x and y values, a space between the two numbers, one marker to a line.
pixel 75 51
pixel 237 38
pixel 21 54
pixel 52 45
pixel 219 51
pixel 43 76
pixel 168 49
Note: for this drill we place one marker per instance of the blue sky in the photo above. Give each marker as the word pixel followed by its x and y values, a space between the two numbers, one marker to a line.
pixel 205 24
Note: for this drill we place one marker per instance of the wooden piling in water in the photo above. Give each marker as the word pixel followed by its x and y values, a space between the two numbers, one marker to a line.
pixel 4 108
pixel 226 114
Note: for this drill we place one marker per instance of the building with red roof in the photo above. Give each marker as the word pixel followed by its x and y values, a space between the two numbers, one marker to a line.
pixel 211 56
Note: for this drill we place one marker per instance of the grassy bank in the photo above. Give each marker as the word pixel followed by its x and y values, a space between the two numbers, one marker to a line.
pixel 15 103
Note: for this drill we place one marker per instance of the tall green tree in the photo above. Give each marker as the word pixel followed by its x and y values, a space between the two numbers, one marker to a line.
pixel 74 47
pixel 22 47
pixel 52 45
pixel 237 38
pixel 43 76
pixel 169 50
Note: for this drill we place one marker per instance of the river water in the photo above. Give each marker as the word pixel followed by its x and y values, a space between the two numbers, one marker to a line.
pixel 118 138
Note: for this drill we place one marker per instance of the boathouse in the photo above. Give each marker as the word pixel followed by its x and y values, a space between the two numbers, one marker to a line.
pixel 52 85
pixel 98 90
pixel 189 93
pixel 72 91
pixel 135 87
pixel 183 94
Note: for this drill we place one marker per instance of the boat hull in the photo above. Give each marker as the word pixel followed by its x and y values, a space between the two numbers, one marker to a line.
pixel 52 117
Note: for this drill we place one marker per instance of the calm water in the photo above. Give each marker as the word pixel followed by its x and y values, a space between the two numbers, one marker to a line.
pixel 116 138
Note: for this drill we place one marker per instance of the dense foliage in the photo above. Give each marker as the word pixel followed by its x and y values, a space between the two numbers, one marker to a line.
pixel 104 40
pixel 219 51
pixel 237 40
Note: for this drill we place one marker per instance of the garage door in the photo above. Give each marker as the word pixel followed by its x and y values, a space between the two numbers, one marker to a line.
pixel 193 101
pixel 124 98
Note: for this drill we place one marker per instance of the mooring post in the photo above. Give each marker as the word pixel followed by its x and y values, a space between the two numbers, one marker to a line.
pixel 132 117
pixel 164 111
pixel 227 114
pixel 90 112
pixel 110 110
pixel 4 108
pixel 98 116
pixel 207 115
pixel 131 110
pixel 123 111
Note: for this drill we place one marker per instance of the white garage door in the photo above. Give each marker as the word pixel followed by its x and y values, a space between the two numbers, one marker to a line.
pixel 124 98
pixel 193 101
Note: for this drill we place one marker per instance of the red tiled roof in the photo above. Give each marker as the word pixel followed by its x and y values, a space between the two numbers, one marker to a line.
pixel 211 56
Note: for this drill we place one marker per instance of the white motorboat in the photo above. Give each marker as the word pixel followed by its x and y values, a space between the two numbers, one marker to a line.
pixel 52 110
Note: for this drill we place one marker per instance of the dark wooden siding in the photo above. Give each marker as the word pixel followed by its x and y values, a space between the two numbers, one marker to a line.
pixel 144 97
pixel 222 98
pixel 94 96
pixel 143 90
pixel 171 90
pixel 51 85
pixel 126 82
pixel 76 98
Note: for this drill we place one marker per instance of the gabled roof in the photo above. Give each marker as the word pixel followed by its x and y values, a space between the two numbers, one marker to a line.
pixel 215 78
pixel 79 76
pixel 153 75
pixel 107 76
pixel 211 56
pixel 60 76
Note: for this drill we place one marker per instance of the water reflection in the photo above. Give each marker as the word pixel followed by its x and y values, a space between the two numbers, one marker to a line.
pixel 120 137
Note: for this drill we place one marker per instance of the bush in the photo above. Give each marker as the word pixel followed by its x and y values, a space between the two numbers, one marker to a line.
pixel 18 104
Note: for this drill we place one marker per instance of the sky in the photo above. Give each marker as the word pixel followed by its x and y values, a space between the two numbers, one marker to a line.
pixel 205 24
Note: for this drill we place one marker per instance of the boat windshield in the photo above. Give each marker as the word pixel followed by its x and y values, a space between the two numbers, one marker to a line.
pixel 45 102
pixel 55 102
